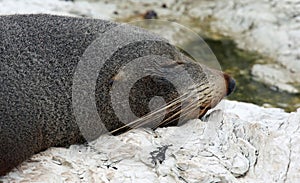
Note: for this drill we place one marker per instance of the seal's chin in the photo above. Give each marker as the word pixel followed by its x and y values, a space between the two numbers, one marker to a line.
pixel 230 87
pixel 203 110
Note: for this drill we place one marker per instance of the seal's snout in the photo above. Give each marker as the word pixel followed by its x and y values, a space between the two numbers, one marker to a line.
pixel 230 84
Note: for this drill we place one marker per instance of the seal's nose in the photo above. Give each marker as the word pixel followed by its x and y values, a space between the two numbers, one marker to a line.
pixel 230 84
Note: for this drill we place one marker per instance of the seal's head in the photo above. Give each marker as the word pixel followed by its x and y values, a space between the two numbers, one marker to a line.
pixel 166 97
pixel 137 78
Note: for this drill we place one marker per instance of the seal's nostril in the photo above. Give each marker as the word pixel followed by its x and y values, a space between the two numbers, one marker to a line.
pixel 230 85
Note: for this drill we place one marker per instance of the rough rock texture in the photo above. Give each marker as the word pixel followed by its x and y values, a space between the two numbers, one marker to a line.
pixel 244 143
pixel 59 7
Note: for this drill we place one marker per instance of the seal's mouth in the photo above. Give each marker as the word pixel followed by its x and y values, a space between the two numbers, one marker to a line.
pixel 229 85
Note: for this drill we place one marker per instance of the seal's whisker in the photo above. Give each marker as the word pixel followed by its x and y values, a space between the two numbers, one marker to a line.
pixel 191 110
pixel 168 106
pixel 143 120
pixel 185 111
pixel 157 113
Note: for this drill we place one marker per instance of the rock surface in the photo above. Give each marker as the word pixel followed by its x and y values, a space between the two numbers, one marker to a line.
pixel 238 142
pixel 99 9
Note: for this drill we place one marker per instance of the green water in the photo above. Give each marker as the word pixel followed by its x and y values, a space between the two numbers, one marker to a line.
pixel 238 64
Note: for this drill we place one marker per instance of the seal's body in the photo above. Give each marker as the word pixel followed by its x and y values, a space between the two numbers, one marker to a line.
pixel 39 55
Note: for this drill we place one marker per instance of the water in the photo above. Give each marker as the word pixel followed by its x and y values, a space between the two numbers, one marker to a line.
pixel 238 64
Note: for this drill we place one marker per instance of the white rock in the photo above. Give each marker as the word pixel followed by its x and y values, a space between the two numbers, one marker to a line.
pixel 78 8
pixel 248 144
pixel 268 27
pixel 275 75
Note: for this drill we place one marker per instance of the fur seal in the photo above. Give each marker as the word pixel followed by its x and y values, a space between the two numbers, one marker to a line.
pixel 39 55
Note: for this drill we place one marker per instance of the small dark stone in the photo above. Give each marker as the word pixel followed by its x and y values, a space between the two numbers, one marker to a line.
pixel 151 14
pixel 160 155
pixel 164 5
